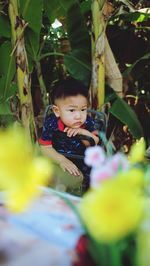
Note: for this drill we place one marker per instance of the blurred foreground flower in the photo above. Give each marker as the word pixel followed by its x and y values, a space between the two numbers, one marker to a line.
pixel 137 151
pixel 21 171
pixel 113 210
pixel 105 168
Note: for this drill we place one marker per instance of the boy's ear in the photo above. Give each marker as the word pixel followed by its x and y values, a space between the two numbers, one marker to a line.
pixel 56 110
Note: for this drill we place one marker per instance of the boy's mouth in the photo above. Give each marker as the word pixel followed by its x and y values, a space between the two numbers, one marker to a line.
pixel 77 124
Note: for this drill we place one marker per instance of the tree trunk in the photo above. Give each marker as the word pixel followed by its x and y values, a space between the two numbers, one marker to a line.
pixel 23 76
pixel 103 61
pixel 113 74
pixel 98 58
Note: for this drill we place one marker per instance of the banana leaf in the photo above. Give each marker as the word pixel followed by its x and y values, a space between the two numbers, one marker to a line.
pixel 31 11
pixel 78 66
pixel 127 116
pixel 4 26
pixel 7 70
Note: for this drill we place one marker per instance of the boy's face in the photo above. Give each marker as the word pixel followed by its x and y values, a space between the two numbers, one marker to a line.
pixel 72 110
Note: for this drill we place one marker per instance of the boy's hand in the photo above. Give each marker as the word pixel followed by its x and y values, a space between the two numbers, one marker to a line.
pixel 69 166
pixel 71 132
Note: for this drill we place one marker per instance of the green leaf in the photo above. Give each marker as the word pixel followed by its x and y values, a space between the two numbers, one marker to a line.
pixel 2 87
pixel 53 10
pixel 57 8
pixel 5 108
pixel 65 4
pixel 5 30
pixel 6 93
pixel 78 66
pixel 7 119
pixel 31 63
pixel 5 56
pixel 78 61
pixel 127 116
pixel 85 6
pixel 32 44
pixel 141 18
pixel 31 11
pixel 7 68
pixel 77 30
pixel 139 15
pixel 130 68
pixel 135 16
pixel 12 89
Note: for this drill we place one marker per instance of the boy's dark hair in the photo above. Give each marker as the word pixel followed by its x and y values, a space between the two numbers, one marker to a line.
pixel 68 87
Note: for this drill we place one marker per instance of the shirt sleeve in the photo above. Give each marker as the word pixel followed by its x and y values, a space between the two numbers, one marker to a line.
pixel 49 126
pixel 90 125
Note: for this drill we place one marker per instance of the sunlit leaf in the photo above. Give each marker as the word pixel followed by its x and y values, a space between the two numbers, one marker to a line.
pixel 127 116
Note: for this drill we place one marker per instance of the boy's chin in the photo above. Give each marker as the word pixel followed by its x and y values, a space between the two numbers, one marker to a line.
pixel 77 125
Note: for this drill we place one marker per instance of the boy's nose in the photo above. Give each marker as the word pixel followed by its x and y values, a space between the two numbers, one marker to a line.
pixel 78 115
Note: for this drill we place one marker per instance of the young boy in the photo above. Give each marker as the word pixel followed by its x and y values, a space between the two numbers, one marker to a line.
pixel 69 104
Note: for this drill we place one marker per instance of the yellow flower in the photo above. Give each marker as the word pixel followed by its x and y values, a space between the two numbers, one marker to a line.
pixel 143 237
pixel 21 172
pixel 134 177
pixel 111 211
pixel 137 152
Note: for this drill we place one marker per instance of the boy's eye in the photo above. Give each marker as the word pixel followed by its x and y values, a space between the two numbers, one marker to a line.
pixel 84 109
pixel 71 110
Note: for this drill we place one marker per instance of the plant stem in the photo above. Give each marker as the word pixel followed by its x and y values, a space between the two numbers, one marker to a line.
pixel 115 255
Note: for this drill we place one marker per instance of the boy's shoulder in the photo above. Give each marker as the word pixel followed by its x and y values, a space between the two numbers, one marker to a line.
pixel 51 119
pixel 89 119
pixel 90 123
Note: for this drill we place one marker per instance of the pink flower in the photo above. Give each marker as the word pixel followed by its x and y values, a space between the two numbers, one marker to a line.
pixel 118 162
pixel 94 156
pixel 99 175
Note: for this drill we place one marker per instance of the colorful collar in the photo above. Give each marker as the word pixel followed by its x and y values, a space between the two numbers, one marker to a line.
pixel 61 125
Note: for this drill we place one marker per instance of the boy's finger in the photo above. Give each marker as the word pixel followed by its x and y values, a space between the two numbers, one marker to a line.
pixel 69 133
pixel 66 129
pixel 74 171
pixel 75 133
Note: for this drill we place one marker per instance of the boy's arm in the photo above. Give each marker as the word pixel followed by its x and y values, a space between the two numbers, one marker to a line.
pixel 81 131
pixel 90 134
pixel 64 163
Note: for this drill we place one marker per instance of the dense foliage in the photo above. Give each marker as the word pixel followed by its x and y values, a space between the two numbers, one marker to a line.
pixel 56 52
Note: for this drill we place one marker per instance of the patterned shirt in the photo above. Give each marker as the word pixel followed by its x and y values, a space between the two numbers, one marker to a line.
pixel 53 124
